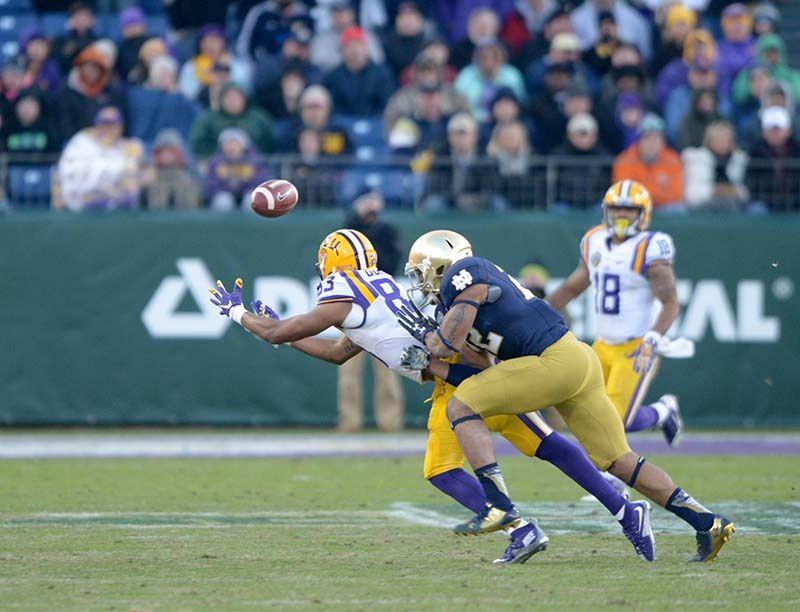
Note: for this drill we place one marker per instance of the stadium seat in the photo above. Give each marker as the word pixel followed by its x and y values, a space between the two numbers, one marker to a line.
pixel 12 25
pixel 29 186
pixel 18 7
pixel 54 24
pixel 396 185
pixel 363 131
pixel 8 49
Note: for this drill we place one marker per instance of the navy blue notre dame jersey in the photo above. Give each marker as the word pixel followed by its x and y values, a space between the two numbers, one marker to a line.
pixel 513 322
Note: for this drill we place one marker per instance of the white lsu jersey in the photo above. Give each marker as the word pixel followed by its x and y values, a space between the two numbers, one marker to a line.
pixel 371 324
pixel 623 300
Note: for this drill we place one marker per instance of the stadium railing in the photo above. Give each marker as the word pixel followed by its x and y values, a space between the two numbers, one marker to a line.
pixel 425 184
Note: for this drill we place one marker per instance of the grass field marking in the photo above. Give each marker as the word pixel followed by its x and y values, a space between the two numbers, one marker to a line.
pixel 780 518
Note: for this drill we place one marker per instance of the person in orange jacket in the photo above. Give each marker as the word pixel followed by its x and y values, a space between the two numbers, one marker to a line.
pixel 653 163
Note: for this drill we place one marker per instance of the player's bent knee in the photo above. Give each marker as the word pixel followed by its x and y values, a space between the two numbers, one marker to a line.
pixel 456 409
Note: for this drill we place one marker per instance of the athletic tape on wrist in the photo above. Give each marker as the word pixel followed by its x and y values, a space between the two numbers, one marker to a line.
pixel 236 313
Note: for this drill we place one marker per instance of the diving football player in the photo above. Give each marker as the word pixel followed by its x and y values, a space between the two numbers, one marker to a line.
pixel 541 364
pixel 629 268
pixel 362 302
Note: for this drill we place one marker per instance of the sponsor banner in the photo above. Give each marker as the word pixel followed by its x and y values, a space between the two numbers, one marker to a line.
pixel 106 318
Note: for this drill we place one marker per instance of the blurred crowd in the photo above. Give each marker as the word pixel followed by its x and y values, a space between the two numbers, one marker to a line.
pixel 185 104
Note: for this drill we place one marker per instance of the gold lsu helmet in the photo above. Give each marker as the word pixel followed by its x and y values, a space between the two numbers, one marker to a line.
pixel 627 194
pixel 345 249
pixel 430 257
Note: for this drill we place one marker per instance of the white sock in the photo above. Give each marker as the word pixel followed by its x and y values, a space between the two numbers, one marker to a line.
pixel 662 410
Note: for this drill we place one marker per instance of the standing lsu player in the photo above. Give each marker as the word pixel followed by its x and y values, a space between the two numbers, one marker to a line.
pixel 360 300
pixel 541 364
pixel 629 268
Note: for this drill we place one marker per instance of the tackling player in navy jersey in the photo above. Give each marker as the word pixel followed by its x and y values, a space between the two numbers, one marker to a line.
pixel 541 364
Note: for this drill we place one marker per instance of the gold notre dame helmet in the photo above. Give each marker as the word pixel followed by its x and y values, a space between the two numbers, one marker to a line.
pixel 345 249
pixel 627 194
pixel 430 257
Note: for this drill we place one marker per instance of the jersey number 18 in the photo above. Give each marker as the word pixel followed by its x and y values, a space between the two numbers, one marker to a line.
pixel 606 293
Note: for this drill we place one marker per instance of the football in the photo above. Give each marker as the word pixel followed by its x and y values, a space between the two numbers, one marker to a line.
pixel 274 198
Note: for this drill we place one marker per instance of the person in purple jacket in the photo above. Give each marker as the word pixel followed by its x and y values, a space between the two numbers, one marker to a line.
pixel 234 171
pixel 41 70
pixel 737 47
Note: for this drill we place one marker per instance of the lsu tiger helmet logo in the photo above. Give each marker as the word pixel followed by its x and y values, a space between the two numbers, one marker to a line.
pixel 627 195
pixel 345 249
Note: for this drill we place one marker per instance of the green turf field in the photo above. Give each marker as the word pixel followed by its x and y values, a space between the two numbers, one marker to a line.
pixel 365 534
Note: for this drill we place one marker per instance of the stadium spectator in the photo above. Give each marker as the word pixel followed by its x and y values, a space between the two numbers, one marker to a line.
pixel 282 99
pixel 12 79
pixel 407 39
pixel 765 19
pixel 632 26
pixel 233 172
pixel 172 183
pixel 504 107
pixel 295 54
pixel 546 108
pixel 79 35
pixel 773 175
pixel 482 24
pixel 580 184
pixel 99 169
pixel 737 47
pixel 558 22
pixel 133 27
pixel 775 94
pixel 189 15
pixel 629 111
pixel 565 49
pixel 627 74
pixel 358 86
pixel 29 128
pixel 526 22
pixel 234 111
pixel 316 182
pixel 158 104
pixel 267 24
pixel 771 54
pixel 678 22
pixel 41 71
pixel 651 162
pixel 510 147
pixel 150 50
pixel 714 173
pixel 704 111
pixel 679 102
pixel 388 394
pixel 88 88
pixel 428 79
pixel 699 50
pixel 405 137
pixel 462 181
pixel 437 51
pixel 201 72
pixel 326 48
pixel 315 114
pixel 746 108
pixel 489 71
pixel 598 58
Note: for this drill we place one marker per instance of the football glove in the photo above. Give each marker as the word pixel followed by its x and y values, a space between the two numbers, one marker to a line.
pixel 226 300
pixel 646 351
pixel 415 322
pixel 260 308
pixel 415 358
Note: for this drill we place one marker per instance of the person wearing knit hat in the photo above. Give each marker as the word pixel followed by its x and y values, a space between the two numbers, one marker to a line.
pixel 678 22
pixel 133 27
pixel 737 48
pixel 699 47
pixel 79 35
pixel 41 70
pixel 771 54
pixel 766 19
pixel 233 172
pixel 89 87
pixel 358 85
pixel 198 73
